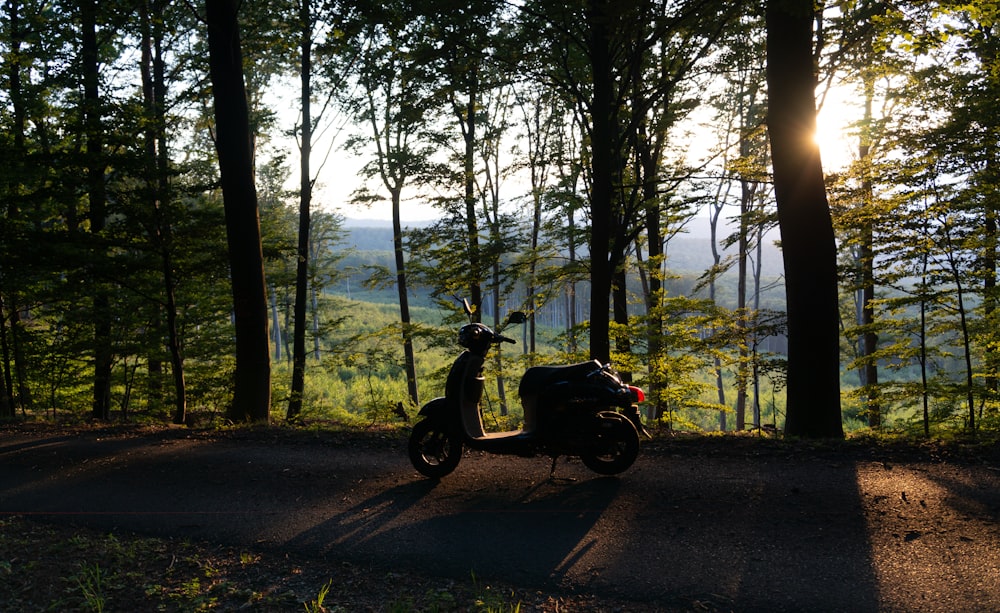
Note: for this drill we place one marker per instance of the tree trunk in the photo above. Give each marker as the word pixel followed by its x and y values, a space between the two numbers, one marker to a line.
pixel 305 201
pixel 755 374
pixel 713 220
pixel 602 183
pixel 252 382
pixel 154 94
pixel 654 295
pixel 807 239
pixel 747 190
pixel 869 338
pixel 619 293
pixel 404 299
pixel 97 196
pixel 468 121
pixel 571 342
pixel 13 360
pixel 7 409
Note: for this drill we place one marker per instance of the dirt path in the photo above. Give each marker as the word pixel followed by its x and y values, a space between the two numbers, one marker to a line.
pixel 747 527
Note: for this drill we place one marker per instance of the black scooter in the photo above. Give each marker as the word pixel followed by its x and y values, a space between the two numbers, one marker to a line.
pixel 579 409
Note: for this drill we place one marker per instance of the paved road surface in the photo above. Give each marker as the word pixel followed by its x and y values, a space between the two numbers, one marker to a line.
pixel 750 530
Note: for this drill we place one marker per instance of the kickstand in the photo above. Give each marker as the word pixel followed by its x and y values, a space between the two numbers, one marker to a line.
pixel 552 472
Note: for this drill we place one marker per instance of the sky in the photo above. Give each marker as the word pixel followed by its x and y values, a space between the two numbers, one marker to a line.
pixel 338 171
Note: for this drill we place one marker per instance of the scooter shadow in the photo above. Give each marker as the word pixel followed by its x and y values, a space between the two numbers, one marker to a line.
pixel 532 536
pixel 352 528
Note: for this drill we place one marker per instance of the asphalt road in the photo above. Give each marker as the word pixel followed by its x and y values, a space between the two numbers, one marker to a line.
pixel 688 526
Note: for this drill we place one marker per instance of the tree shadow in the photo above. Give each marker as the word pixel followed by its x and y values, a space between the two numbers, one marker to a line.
pixel 935 528
pixel 746 534
pixel 537 534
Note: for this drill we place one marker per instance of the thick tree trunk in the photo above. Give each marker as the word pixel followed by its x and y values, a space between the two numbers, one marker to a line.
pixel 97 195
pixel 807 240
pixel 601 274
pixel 252 383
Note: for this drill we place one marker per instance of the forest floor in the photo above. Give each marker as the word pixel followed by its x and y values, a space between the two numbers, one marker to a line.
pixel 163 519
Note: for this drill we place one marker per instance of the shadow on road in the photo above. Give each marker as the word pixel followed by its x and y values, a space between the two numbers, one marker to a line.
pixel 686 528
pixel 768 534
pixel 538 533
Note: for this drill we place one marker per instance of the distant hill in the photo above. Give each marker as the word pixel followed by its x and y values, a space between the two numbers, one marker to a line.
pixel 686 254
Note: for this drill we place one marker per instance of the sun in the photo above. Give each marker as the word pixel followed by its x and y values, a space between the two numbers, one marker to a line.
pixel 837 146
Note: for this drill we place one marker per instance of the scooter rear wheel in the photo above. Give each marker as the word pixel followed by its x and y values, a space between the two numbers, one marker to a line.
pixel 434 450
pixel 616 446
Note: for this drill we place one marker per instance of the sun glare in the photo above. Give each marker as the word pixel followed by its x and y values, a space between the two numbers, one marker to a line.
pixel 837 146
pixel 834 141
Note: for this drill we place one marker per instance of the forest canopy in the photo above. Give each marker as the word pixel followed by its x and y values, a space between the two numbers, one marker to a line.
pixel 564 150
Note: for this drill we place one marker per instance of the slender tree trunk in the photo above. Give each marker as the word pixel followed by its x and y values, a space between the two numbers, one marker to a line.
pixel 404 299
pixel 571 287
pixel 570 180
pixel 13 360
pixel 252 382
pixel 539 129
pixel 746 201
pixel 390 141
pixel 924 389
pixel 498 351
pixel 956 274
pixel 654 296
pixel 808 245
pixel 713 241
pixel 276 336
pixel 868 342
pixel 619 292
pixel 305 202
pixel 536 229
pixel 991 361
pixel 467 118
pixel 156 183
pixel 314 313
pixel 154 92
pixel 7 409
pixel 758 265
pixel 532 291
pixel 748 191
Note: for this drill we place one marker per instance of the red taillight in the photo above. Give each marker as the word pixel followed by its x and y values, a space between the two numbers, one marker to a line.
pixel 638 393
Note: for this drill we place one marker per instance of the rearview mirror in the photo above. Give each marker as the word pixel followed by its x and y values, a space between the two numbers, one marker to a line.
pixel 517 317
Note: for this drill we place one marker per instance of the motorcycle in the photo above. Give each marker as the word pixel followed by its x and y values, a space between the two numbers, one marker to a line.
pixel 582 409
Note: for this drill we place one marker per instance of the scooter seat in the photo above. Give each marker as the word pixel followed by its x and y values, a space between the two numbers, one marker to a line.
pixel 537 377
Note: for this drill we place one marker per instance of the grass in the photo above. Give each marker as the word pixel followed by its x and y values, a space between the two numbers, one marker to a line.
pixel 60 568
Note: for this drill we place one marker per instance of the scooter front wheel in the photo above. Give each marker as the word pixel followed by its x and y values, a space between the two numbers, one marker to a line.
pixel 434 450
pixel 616 445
